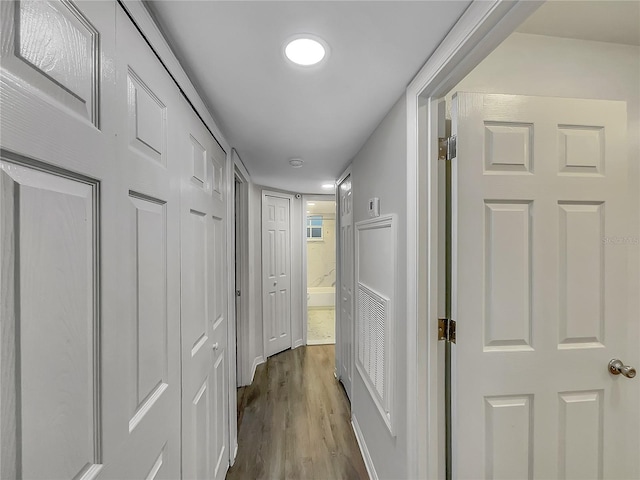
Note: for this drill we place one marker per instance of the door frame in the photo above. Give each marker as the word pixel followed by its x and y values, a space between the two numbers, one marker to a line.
pixel 242 321
pixel 289 197
pixel 338 348
pixel 482 27
pixel 305 304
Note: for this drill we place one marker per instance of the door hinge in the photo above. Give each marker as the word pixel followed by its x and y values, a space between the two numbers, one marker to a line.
pixel 237 293
pixel 447 148
pixel 447 330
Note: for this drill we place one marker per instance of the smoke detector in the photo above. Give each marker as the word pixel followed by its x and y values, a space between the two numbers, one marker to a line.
pixel 296 162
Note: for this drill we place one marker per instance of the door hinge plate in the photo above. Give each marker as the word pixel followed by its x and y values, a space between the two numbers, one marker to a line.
pixel 447 330
pixel 447 148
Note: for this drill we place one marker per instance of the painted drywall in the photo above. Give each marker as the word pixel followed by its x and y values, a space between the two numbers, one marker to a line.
pixel 379 170
pixel 321 256
pixel 255 356
pixel 529 64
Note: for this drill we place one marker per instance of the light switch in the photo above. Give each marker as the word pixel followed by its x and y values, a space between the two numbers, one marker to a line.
pixel 374 207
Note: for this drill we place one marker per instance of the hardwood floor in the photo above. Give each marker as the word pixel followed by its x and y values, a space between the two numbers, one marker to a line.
pixel 294 421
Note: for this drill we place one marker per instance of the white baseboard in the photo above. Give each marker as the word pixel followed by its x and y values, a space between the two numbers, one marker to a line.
pixel 298 343
pixel 257 361
pixel 371 470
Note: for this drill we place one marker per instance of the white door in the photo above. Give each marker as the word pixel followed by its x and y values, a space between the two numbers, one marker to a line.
pixel 204 321
pixel 149 287
pixel 276 273
pixel 540 199
pixel 89 377
pixel 345 304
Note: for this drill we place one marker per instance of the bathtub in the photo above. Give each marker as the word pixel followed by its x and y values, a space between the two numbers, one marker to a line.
pixel 321 297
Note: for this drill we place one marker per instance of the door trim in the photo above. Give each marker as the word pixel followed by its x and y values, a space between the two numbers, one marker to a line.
pixel 482 27
pixel 242 322
pixel 289 197
pixel 338 349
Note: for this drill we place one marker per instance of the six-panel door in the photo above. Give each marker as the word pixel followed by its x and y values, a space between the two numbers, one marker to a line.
pixel 276 273
pixel 541 195
pixel 346 326
pixel 95 143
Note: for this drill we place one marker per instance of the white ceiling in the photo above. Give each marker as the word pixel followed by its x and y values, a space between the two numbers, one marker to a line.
pixel 600 21
pixel 272 111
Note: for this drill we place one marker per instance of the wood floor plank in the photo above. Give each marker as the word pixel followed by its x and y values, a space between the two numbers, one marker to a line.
pixel 295 421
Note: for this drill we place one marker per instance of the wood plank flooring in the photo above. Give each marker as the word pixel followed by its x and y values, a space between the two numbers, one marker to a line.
pixel 294 421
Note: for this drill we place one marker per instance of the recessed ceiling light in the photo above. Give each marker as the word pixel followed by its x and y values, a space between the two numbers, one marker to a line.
pixel 296 162
pixel 328 186
pixel 304 50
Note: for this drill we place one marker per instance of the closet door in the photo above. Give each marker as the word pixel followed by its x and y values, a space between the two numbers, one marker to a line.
pixel 89 215
pixel 60 238
pixel 205 426
pixel 147 406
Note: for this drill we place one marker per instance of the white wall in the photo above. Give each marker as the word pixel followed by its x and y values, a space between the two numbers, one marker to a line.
pixel 321 255
pixel 256 349
pixel 528 64
pixel 379 170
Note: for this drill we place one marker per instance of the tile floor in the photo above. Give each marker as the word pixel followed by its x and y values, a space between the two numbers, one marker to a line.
pixel 321 326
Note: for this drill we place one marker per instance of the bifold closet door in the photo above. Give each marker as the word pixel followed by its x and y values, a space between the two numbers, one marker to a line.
pixel 98 146
pixel 147 408
pixel 59 230
pixel 89 215
pixel 205 391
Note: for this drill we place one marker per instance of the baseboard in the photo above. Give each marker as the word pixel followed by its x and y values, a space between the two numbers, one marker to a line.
pixel 298 343
pixel 371 470
pixel 235 454
pixel 257 361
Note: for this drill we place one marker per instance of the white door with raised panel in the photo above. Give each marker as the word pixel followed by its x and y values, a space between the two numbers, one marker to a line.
pixel 89 286
pixel 542 228
pixel 345 304
pixel 149 288
pixel 205 434
pixel 276 273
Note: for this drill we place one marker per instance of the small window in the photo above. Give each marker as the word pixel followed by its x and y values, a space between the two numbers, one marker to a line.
pixel 314 227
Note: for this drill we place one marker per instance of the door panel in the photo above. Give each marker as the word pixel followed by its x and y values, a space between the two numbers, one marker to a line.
pixel 149 285
pixel 540 291
pixel 56 196
pixel 276 273
pixel 346 327
pixel 49 224
pixel 205 434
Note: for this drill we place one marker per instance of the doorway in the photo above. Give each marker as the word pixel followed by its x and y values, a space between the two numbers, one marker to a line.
pixel 565 247
pixel 320 244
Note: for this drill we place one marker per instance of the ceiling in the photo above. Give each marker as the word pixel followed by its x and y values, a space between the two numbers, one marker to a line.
pixel 600 21
pixel 271 110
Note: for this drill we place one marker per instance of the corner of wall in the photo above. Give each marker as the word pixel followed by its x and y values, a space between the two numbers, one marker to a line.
pixel 366 456
pixel 257 361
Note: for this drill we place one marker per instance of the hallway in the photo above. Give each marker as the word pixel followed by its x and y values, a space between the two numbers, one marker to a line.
pixel 294 421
